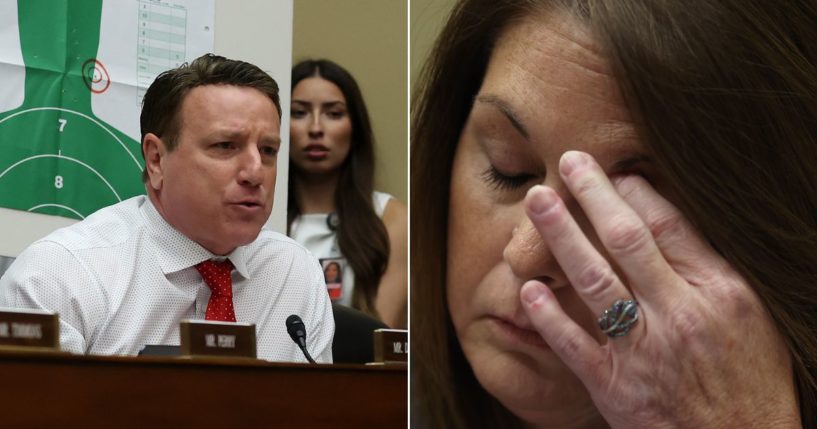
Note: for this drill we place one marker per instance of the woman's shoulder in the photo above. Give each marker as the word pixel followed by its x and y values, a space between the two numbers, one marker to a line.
pixel 382 200
pixel 394 214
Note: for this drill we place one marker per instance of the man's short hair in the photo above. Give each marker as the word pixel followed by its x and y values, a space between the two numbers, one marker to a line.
pixel 163 99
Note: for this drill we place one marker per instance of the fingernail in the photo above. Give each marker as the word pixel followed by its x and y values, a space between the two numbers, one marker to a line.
pixel 570 161
pixel 532 292
pixel 540 200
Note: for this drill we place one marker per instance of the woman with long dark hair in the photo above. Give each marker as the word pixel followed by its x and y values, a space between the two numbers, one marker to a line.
pixel 619 218
pixel 333 209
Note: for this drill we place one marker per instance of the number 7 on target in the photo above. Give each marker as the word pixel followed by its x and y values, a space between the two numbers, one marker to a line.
pixel 62 122
pixel 58 179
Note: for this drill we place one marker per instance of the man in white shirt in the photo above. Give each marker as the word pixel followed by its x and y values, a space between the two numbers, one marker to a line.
pixel 194 247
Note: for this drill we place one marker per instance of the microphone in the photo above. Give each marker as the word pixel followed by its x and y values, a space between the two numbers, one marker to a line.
pixel 297 331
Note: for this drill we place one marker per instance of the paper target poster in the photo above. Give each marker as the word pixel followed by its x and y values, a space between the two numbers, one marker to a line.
pixel 72 76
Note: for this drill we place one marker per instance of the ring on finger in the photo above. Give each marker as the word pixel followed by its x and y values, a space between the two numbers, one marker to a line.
pixel 617 320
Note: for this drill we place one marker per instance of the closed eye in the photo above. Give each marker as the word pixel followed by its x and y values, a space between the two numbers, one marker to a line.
pixel 637 166
pixel 504 181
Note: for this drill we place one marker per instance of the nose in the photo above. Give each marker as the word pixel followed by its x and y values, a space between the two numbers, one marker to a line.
pixel 530 258
pixel 315 127
pixel 251 168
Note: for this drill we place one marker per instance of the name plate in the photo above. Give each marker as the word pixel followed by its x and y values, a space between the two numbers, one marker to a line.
pixel 391 345
pixel 23 328
pixel 209 338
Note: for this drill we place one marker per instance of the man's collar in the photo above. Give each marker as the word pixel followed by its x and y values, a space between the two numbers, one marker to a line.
pixel 176 251
pixel 239 258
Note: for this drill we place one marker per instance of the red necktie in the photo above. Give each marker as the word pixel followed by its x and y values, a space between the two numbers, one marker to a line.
pixel 217 276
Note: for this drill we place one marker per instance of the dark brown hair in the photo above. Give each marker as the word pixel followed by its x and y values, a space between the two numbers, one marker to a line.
pixel 362 236
pixel 725 95
pixel 163 99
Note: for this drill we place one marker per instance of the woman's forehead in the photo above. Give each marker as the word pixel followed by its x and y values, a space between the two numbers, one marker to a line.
pixel 548 75
pixel 554 27
pixel 548 47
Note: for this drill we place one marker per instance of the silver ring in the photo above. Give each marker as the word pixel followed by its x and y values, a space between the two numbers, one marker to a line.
pixel 617 320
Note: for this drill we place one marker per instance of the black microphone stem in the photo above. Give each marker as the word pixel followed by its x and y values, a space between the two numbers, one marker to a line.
pixel 302 345
pixel 297 331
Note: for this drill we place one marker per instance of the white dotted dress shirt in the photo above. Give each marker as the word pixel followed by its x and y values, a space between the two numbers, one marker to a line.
pixel 124 277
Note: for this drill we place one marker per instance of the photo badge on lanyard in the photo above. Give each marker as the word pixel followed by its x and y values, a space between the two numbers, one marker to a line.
pixel 333 275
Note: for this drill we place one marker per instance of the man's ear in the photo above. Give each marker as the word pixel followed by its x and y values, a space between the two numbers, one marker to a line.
pixel 154 151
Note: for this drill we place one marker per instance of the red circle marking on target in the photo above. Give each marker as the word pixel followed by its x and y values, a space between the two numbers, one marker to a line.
pixel 92 81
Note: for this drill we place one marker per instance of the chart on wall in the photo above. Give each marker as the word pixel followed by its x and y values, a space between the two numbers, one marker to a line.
pixel 72 77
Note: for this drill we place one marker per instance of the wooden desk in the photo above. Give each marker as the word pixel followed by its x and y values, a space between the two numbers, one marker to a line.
pixel 57 390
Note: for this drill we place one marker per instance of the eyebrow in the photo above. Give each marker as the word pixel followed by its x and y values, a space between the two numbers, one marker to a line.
pixel 230 134
pixel 326 104
pixel 506 110
pixel 275 141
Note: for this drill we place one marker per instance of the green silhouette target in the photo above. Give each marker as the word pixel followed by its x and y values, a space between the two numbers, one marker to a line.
pixel 56 156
